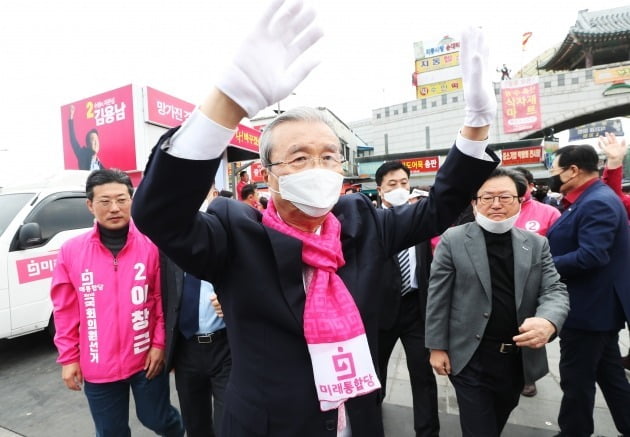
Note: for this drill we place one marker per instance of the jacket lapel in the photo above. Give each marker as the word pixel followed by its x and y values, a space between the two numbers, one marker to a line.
pixel 288 255
pixel 475 244
pixel 521 249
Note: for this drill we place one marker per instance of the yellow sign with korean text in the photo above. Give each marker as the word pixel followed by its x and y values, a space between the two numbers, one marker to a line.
pixel 435 89
pixel 616 74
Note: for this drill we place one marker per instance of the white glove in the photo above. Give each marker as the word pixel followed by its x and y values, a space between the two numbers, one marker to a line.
pixel 269 64
pixel 481 102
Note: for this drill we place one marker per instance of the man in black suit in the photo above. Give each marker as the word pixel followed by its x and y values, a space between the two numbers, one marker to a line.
pixel 196 348
pixel 262 265
pixel 404 307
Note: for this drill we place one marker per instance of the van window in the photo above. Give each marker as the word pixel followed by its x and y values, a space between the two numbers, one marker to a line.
pixel 61 214
pixel 10 204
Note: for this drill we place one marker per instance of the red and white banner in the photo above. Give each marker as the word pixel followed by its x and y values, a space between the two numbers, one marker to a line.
pixel 524 155
pixel 165 110
pixel 520 100
pixel 98 132
pixel 425 164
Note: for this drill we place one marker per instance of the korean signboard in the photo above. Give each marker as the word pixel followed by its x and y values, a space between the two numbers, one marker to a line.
pixel 524 155
pixel 435 89
pixel 425 164
pixel 437 62
pixel 98 132
pixel 521 105
pixel 595 130
pixel 165 110
pixel 616 74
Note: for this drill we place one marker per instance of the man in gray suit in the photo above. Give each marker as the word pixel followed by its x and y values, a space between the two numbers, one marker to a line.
pixel 495 299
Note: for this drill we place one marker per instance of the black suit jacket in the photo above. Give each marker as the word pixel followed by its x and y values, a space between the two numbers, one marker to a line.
pixel 257 274
pixel 391 294
pixel 172 278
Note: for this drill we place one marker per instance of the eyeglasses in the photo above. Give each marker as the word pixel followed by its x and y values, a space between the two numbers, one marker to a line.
pixel 108 203
pixel 504 199
pixel 330 160
pixel 555 172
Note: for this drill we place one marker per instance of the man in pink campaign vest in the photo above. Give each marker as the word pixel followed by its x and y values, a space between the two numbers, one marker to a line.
pixel 109 322
pixel 302 312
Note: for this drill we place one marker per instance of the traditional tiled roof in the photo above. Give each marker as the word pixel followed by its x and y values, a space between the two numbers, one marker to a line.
pixel 606 33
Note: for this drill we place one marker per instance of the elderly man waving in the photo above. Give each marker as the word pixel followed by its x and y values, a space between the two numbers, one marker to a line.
pixel 302 312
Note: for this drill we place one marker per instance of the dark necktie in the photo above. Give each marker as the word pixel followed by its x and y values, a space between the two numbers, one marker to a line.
pixel 189 309
pixel 405 272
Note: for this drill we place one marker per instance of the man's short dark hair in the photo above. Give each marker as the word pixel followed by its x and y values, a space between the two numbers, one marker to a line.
pixel 226 193
pixel 518 178
pixel 388 166
pixel 529 177
pixel 248 190
pixel 88 135
pixel 264 201
pixel 242 173
pixel 582 156
pixel 107 176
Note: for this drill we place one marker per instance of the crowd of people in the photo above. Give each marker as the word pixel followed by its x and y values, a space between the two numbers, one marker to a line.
pixel 279 320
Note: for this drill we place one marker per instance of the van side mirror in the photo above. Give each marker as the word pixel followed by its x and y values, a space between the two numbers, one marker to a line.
pixel 30 235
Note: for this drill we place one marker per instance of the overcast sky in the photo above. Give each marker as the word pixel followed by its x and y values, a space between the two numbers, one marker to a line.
pixel 56 52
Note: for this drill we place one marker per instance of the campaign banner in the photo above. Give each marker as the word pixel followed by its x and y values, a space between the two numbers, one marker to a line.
pixel 98 132
pixel 524 155
pixel 165 110
pixel 520 100
pixel 435 89
pixel 425 164
pixel 596 129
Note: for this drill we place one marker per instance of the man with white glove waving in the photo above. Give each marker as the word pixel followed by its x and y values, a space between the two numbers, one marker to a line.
pixel 302 312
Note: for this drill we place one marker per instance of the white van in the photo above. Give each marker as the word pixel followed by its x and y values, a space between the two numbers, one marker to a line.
pixel 35 220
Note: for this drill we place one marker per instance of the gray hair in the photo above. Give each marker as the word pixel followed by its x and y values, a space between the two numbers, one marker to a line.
pixel 303 113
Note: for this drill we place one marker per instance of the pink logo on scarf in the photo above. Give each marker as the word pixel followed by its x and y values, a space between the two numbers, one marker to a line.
pixel 333 328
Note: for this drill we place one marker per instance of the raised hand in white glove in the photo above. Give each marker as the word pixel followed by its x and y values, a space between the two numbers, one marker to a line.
pixel 481 102
pixel 270 62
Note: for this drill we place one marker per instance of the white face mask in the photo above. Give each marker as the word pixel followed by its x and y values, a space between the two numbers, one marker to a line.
pixel 495 227
pixel 396 197
pixel 314 191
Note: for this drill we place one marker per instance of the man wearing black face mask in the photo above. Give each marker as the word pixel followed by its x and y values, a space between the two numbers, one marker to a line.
pixel 590 244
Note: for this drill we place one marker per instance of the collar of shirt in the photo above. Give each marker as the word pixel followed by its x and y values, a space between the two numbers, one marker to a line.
pixel 575 194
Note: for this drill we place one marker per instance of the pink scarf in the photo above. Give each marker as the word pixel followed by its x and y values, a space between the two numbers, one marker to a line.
pixel 334 332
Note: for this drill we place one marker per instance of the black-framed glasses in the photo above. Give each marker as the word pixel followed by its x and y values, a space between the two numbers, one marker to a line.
pixel 504 199
pixel 107 203
pixel 330 161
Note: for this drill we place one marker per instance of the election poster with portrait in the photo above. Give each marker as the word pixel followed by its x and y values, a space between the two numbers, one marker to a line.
pixel 98 131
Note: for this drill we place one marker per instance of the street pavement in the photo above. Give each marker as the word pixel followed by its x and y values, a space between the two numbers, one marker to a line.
pixel 533 417
pixel 35 403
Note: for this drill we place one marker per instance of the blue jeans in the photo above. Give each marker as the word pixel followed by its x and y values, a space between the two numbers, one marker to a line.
pixel 109 405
